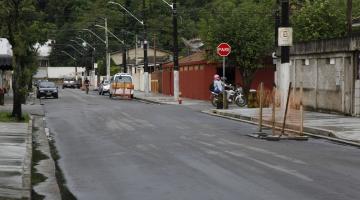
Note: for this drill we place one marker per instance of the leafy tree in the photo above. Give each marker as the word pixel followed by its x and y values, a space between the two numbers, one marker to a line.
pixel 247 26
pixel 23 26
pixel 320 19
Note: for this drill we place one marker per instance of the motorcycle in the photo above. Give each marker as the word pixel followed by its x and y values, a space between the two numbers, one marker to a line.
pixel 233 96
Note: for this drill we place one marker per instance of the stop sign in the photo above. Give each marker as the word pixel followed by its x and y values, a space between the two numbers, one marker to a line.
pixel 223 49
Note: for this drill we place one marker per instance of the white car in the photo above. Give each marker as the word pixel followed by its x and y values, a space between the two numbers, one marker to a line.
pixel 104 87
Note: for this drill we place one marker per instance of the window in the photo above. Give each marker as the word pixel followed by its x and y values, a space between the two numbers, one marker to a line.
pixel 305 62
pixel 330 61
pixel 123 79
pixel 191 68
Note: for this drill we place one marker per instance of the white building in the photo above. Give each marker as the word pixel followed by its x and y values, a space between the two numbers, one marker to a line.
pixel 135 63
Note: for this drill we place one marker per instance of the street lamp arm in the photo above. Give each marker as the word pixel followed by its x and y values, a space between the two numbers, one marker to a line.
pixel 76 42
pixel 86 43
pixel 75 49
pixel 140 21
pixel 85 29
pixel 111 33
pixel 66 53
pixel 171 5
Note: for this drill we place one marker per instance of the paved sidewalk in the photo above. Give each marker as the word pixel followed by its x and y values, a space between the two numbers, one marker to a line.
pixel 332 125
pixel 15 161
pixel 16 153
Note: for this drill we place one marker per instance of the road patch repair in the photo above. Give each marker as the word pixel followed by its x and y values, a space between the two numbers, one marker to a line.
pixel 15 160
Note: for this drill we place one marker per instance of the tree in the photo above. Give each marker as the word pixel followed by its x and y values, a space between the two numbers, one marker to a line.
pixel 246 26
pixel 320 19
pixel 23 26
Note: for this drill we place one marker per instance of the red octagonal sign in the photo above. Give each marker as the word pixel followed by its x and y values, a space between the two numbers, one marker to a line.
pixel 223 49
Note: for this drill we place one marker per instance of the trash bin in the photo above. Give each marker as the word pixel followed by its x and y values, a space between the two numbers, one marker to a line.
pixel 2 92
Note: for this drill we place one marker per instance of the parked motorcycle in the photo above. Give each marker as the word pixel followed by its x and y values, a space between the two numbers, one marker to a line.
pixel 233 96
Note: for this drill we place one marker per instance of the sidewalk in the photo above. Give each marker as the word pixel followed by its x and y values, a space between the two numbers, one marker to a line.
pixel 329 125
pixel 16 145
pixel 15 160
pixel 165 99
pixel 315 123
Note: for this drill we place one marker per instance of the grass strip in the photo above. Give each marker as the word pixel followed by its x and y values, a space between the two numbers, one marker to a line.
pixel 7 117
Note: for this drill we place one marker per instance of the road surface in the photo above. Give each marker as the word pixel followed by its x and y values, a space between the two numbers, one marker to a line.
pixel 131 150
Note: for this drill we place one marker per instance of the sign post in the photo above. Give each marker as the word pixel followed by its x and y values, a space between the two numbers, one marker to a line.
pixel 223 50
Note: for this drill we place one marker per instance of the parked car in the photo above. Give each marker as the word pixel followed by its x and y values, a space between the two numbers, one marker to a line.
pixel 47 89
pixel 70 83
pixel 104 87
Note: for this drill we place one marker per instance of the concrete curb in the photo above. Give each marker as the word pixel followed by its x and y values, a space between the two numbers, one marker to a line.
pixel 318 133
pixel 26 179
pixel 148 100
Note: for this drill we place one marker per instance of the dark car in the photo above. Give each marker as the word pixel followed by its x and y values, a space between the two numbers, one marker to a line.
pixel 47 89
pixel 70 83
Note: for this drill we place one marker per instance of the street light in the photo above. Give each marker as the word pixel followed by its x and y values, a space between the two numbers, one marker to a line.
pixel 76 42
pixel 103 27
pixel 86 43
pixel 106 42
pixel 66 53
pixel 69 45
pixel 142 22
pixel 121 41
pixel 92 32
pixel 175 50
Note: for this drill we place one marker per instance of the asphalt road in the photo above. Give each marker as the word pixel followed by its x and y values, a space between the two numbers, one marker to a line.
pixel 130 150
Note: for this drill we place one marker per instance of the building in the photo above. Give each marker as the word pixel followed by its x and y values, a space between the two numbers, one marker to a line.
pixel 196 74
pixel 43 53
pixel 135 63
pixel 5 63
pixel 329 72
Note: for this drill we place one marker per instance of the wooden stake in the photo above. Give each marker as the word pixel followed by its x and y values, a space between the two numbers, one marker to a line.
pixel 273 110
pixel 286 109
pixel 261 107
pixel 301 110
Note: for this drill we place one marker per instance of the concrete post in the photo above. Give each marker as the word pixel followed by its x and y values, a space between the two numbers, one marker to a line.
pixel 284 82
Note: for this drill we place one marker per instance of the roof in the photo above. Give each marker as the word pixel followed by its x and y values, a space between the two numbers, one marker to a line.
pixel 198 56
pixel 193 59
pixel 161 56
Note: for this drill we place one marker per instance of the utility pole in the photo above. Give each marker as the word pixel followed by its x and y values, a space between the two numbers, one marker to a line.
pixel 176 53
pixel 146 67
pixel 107 52
pixel 285 54
pixel 124 47
pixel 154 51
pixel 349 16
